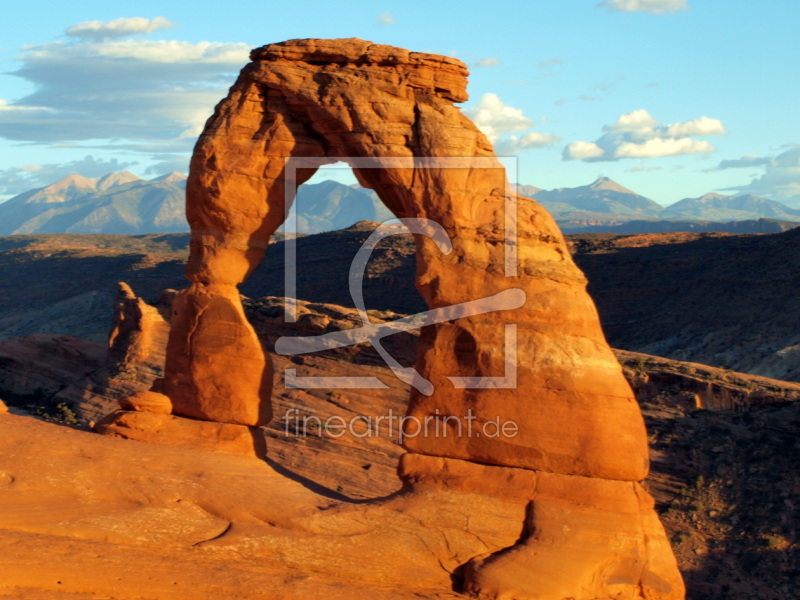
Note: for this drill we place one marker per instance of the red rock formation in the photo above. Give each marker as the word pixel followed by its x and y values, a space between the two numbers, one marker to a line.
pixel 137 346
pixel 136 341
pixel 152 402
pixel 216 369
pixel 579 432
pixel 156 427
pixel 135 359
pixel 586 537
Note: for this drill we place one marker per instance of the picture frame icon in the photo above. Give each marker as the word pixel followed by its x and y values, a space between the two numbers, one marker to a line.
pixel 508 299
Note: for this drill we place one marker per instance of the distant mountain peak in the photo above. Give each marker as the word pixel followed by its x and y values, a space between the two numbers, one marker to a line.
pixel 526 190
pixel 718 207
pixel 111 180
pixel 712 196
pixel 609 185
pixel 74 180
pixel 173 177
pixel 330 183
pixel 61 191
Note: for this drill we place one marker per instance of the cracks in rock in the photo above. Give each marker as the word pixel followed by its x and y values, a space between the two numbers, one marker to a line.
pixel 414 140
pixel 216 537
pixel 433 553
pixel 477 538
pixel 195 325
pixel 453 554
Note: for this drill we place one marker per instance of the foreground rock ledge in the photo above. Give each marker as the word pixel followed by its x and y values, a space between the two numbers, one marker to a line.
pixel 590 530
pixel 179 431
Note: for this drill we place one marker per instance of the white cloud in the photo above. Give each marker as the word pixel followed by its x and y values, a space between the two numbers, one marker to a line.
pixel 145 92
pixel 638 134
pixel 582 151
pixel 663 147
pixel 656 7
pixel 486 62
pixel 5 107
pixel 385 18
pixel 781 177
pixel 633 121
pixel 499 122
pixel 747 161
pixel 513 144
pixel 169 165
pixel 701 126
pixel 174 52
pixel 495 118
pixel 100 30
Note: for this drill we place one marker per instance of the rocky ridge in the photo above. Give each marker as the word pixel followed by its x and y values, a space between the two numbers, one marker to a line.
pixel 736 312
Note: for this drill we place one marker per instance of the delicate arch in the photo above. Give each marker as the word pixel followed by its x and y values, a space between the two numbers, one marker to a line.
pixel 317 102
pixel 579 445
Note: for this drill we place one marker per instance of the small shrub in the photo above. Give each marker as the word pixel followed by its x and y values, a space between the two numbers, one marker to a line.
pixel 775 542
pixel 129 374
pixel 60 413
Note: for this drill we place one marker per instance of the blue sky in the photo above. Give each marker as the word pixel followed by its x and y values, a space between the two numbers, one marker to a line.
pixel 671 98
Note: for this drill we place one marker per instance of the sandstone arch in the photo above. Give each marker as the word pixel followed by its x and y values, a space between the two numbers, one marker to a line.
pixel 581 446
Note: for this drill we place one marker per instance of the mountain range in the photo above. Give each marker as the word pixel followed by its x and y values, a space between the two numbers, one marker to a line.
pixel 602 198
pixel 122 203
pixel 605 202
pixel 115 203
pixel 729 208
pixel 330 205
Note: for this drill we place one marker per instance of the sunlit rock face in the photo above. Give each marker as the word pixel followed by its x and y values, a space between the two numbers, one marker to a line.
pixel 535 361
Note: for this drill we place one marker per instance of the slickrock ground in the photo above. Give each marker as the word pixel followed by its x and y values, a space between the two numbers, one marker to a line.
pixel 96 513
pixel 725 482
pixel 89 516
